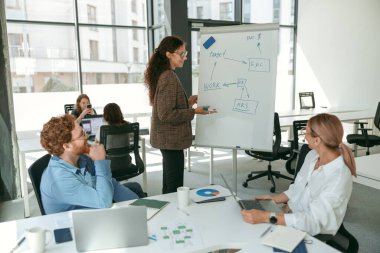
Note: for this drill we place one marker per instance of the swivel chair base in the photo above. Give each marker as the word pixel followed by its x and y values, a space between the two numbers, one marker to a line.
pixel 269 173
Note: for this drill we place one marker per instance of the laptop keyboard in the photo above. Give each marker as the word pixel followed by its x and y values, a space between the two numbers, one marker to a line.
pixel 251 204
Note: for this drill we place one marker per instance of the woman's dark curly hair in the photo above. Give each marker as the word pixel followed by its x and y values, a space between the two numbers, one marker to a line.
pixel 56 132
pixel 113 115
pixel 158 63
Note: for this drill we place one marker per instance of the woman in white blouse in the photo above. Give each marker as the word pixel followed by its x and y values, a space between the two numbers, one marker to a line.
pixel 317 201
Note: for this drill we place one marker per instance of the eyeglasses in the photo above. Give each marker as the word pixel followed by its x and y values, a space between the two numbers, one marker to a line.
pixel 84 134
pixel 311 133
pixel 182 54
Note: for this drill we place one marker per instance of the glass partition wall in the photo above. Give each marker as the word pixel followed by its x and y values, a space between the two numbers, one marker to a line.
pixel 61 48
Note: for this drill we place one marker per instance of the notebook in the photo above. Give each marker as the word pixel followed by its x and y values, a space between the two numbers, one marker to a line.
pixel 99 229
pixel 153 205
pixel 284 238
pixel 248 204
pixel 91 124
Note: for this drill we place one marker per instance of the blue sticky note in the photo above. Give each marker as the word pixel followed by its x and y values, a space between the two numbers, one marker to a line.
pixel 208 43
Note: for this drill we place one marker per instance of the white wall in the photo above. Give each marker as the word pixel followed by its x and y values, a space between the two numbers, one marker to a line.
pixel 338 52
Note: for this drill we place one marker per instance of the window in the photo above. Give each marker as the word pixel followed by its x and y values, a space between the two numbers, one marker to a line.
pixel 135 31
pixel 44 56
pixel 94 50
pixel 135 55
pixel 225 11
pixel 16 47
pixel 91 14
pixel 211 9
pixel 13 4
pixel 200 12
pixel 134 6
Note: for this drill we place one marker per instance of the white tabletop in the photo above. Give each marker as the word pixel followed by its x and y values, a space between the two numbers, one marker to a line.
pixel 218 224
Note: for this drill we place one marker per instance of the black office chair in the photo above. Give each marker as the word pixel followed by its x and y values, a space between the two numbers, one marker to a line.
pixel 119 142
pixel 298 126
pixel 69 108
pixel 364 139
pixel 343 240
pixel 278 152
pixel 306 100
pixel 35 173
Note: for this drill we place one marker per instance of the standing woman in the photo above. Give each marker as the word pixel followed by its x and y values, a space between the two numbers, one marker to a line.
pixel 83 108
pixel 172 110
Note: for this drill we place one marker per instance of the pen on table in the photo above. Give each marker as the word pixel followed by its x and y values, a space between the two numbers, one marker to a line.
pixel 152 237
pixel 18 244
pixel 266 231
pixel 179 209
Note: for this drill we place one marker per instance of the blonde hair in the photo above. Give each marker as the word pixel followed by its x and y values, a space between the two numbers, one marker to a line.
pixel 330 130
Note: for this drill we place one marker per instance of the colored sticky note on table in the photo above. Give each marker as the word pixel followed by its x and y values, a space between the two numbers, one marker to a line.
pixel 208 43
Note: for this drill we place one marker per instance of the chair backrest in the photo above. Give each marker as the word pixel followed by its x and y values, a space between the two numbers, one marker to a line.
pixel 298 126
pixel 119 142
pixel 69 108
pixel 301 158
pixel 35 173
pixel 276 134
pixel 376 121
pixel 344 241
pixel 306 100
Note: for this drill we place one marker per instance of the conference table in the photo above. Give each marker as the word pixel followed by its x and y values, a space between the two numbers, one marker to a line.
pixel 216 225
pixel 29 142
pixel 286 121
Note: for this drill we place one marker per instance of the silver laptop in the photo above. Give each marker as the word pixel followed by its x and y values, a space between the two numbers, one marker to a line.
pixel 99 229
pixel 248 204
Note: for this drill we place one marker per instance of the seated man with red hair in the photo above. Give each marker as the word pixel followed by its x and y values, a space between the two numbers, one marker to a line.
pixel 78 175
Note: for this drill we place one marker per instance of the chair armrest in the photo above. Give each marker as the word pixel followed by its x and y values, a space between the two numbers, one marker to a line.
pixel 365 129
pixel 359 122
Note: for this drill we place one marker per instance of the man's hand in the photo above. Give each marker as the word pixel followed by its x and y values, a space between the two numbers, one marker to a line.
pixel 97 152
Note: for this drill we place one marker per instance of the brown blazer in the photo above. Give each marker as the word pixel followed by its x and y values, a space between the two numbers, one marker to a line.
pixel 171 115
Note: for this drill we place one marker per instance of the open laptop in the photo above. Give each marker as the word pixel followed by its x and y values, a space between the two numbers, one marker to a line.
pixel 91 124
pixel 248 204
pixel 99 229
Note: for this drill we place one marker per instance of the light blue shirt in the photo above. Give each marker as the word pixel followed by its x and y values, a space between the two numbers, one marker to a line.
pixel 65 187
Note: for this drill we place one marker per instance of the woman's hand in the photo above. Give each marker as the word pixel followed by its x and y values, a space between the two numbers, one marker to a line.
pixel 255 216
pixel 84 113
pixel 264 197
pixel 279 198
pixel 204 110
pixel 193 100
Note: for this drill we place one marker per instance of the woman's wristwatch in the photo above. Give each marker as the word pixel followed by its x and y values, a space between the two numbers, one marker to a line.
pixel 273 218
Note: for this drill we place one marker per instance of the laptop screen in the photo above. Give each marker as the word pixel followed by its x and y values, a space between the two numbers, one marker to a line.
pixel 92 123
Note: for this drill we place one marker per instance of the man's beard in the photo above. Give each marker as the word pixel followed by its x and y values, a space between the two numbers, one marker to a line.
pixel 84 149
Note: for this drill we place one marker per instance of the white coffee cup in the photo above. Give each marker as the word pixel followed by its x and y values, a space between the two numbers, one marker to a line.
pixel 37 239
pixel 183 194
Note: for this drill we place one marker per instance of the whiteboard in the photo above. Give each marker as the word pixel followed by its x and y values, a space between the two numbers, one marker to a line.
pixel 237 77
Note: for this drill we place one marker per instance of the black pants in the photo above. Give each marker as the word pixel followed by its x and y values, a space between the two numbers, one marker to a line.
pixel 173 164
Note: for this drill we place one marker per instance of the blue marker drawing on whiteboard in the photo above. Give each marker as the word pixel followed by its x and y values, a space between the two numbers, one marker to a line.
pixel 208 43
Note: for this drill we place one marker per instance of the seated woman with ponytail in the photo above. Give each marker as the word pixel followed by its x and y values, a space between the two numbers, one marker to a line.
pixel 317 201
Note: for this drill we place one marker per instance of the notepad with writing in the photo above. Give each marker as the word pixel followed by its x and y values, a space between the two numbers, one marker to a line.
pixel 153 205
pixel 282 237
